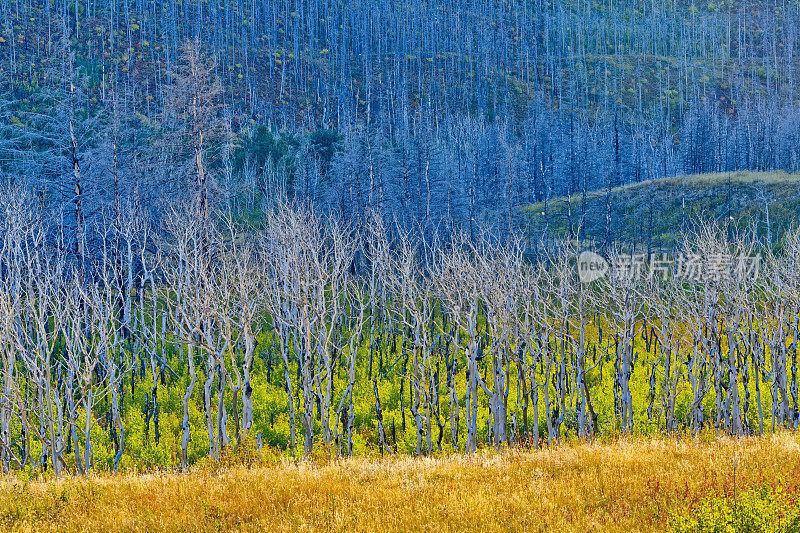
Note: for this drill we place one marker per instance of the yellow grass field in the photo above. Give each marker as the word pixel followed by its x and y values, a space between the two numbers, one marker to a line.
pixel 629 485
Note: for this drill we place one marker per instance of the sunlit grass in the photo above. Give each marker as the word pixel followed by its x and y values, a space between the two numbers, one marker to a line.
pixel 629 485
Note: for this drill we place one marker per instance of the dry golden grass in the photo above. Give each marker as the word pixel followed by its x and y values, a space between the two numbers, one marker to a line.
pixel 631 485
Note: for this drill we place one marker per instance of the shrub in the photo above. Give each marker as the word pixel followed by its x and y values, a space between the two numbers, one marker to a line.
pixel 755 510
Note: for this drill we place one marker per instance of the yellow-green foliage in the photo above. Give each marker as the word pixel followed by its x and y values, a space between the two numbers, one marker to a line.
pixel 271 413
pixel 753 511
pixel 632 484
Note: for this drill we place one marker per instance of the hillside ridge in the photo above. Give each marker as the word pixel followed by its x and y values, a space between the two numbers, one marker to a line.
pixel 656 211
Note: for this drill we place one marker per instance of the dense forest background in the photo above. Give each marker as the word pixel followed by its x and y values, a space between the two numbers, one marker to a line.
pixel 441 115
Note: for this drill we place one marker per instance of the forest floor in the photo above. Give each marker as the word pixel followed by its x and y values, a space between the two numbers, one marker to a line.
pixel 628 485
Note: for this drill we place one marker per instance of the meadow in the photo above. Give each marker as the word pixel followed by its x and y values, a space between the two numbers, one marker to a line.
pixel 629 484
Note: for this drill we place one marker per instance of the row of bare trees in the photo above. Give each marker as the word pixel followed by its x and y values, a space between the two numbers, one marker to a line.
pixel 487 343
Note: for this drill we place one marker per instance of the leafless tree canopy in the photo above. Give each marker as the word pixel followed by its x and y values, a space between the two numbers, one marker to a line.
pixel 486 344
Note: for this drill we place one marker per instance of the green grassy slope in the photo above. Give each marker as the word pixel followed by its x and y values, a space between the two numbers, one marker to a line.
pixel 656 211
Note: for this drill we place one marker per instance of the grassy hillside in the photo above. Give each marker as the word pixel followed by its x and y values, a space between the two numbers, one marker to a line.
pixel 656 211
pixel 630 485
